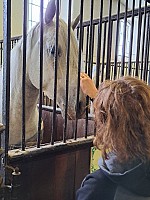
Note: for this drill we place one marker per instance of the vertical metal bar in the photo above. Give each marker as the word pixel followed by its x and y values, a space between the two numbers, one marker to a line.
pixel 147 59
pixel 55 73
pixel 108 42
pixel 79 68
pixel 86 119
pixel 87 45
pixel 1 53
pixel 90 40
pixel 92 50
pixel 103 57
pixel 111 29
pixel 67 70
pixel 116 44
pixel 86 71
pixel 131 40
pixel 143 39
pixel 41 75
pixel 90 64
pixel 6 78
pixel 99 44
pixel 124 40
pixel 146 50
pixel 82 38
pixel 138 39
pixel 91 70
pixel 24 74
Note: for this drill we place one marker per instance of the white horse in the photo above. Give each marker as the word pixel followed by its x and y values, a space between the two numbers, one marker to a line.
pixel 33 74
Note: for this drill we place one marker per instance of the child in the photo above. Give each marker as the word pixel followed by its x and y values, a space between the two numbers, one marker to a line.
pixel 122 116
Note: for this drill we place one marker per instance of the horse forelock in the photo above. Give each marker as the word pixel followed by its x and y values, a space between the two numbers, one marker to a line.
pixel 49 34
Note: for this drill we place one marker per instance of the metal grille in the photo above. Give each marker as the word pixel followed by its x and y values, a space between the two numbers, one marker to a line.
pixel 99 55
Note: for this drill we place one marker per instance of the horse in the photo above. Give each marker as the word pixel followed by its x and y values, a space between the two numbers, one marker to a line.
pixel 33 75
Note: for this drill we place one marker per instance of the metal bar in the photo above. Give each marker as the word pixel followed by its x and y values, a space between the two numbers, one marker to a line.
pixel 89 70
pixel 67 70
pixel 82 38
pixel 131 40
pixel 116 44
pixel 146 50
pixel 108 42
pixel 92 50
pixel 114 17
pixel 103 57
pixel 86 71
pixel 55 73
pixel 6 79
pixel 24 73
pixel 99 44
pixel 86 114
pixel 79 68
pixel 41 76
pixel 90 39
pixel 1 48
pixel 148 62
pixel 124 39
pixel 143 39
pixel 138 40
pixel 87 44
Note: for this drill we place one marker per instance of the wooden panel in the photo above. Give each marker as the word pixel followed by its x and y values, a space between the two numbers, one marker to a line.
pixel 82 166
pixel 64 176
pixel 53 176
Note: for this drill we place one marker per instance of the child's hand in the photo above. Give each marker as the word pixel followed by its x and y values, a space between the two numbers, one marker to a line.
pixel 87 85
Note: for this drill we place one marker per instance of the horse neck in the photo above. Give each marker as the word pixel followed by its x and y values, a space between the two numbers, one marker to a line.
pixel 31 93
pixel 31 112
pixel 31 97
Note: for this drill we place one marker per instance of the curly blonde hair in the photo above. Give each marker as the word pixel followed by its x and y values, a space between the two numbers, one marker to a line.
pixel 122 116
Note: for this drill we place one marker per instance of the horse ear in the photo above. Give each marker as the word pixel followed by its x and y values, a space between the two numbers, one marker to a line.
pixel 50 11
pixel 75 22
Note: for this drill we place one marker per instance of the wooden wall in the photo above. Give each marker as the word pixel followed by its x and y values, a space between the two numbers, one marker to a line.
pixel 53 175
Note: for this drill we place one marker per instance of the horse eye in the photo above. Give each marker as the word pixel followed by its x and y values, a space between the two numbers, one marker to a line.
pixel 52 51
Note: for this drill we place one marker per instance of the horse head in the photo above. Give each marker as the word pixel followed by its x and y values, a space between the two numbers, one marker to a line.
pixel 49 65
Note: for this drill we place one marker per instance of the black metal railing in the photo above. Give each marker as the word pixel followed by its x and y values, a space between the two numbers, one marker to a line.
pixel 134 43
pixel 107 63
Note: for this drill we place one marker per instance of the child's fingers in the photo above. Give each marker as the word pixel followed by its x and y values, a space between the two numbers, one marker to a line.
pixel 83 75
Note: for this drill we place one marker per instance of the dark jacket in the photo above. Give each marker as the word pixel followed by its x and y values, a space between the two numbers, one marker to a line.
pixel 116 181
